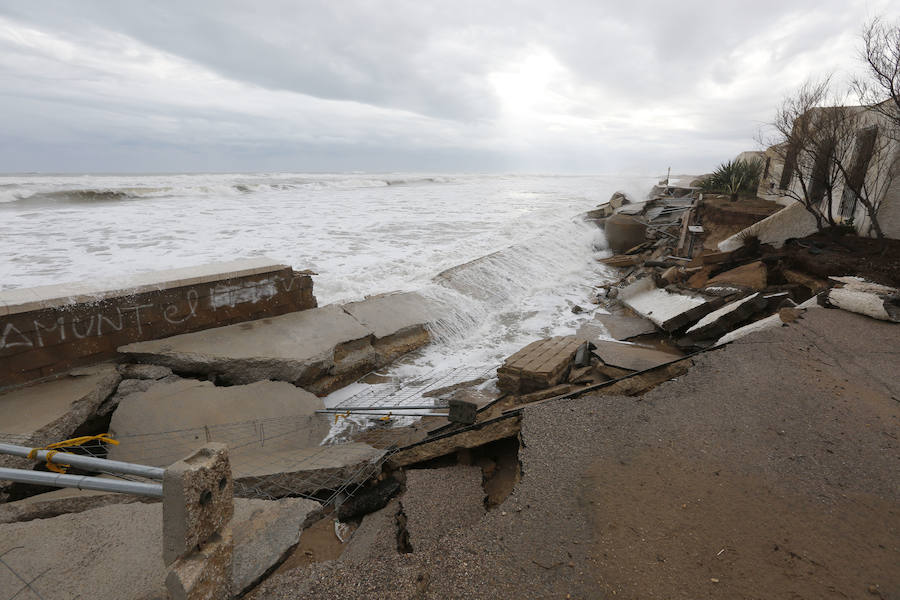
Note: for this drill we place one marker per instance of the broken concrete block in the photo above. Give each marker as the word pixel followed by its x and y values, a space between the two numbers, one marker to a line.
pixel 619 327
pixel 197 501
pixel 320 349
pixel 297 347
pixel 462 411
pixel 205 574
pixel 669 310
pixel 375 537
pixel 865 298
pixel 792 221
pixel 621 261
pixel 52 411
pixel 264 531
pixel 138 371
pixel 752 276
pixel 278 473
pixel 624 232
pixel 538 365
pixel 199 411
pixel 720 321
pixel 631 356
pixel 471 437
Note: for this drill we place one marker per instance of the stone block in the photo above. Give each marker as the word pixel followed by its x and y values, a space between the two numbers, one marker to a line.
pixel 197 501
pixel 205 574
pixel 752 276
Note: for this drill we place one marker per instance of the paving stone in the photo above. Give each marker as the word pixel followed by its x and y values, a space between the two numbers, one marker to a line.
pixel 538 365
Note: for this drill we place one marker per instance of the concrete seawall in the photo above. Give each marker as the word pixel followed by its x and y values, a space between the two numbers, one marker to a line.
pixel 47 330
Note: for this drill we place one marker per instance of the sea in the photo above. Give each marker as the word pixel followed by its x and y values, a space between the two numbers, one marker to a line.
pixel 520 255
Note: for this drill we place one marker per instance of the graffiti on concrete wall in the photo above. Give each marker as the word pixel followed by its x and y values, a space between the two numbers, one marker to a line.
pixel 67 328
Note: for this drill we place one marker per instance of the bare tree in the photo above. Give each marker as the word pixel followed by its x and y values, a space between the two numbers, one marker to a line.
pixel 879 88
pixel 810 139
pixel 826 148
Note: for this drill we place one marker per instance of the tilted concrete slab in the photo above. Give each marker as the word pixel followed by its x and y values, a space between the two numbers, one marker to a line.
pixel 53 411
pixel 297 347
pixel 670 311
pixel 792 221
pixel 720 321
pixel 171 419
pixel 619 327
pixel 264 530
pixel 389 314
pixel 320 349
pixel 631 356
pixel 115 552
pixel 259 471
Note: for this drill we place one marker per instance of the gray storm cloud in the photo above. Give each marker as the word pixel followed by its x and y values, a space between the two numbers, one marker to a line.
pixel 572 86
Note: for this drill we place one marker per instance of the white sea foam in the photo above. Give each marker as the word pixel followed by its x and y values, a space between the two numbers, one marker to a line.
pixel 362 233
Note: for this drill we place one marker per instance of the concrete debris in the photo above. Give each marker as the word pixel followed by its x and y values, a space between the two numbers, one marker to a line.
pixel 631 356
pixel 375 536
pixel 624 232
pixel 668 310
pixel 53 411
pixel 205 412
pixel 320 349
pixel 618 326
pixel 751 276
pixel 864 297
pixel 264 532
pixel 793 221
pixel 281 473
pixel 470 437
pixel 538 365
pixel 726 318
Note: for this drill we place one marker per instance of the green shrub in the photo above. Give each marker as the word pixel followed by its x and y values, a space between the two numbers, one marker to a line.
pixel 734 177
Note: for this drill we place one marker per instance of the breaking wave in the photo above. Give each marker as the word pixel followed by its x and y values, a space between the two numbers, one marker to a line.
pixel 40 190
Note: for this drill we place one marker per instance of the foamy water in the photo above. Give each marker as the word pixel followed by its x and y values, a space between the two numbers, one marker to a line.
pixel 362 233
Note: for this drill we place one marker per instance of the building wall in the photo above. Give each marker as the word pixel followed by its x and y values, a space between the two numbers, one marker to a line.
pixel 48 330
pixel 888 197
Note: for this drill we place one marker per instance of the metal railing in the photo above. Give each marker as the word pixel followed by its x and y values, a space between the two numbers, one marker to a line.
pixel 83 482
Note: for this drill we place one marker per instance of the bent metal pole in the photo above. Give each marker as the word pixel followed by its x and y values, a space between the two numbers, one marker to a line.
pixel 82 482
pixel 88 463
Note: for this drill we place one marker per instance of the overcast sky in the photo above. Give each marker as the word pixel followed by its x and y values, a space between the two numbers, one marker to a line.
pixel 406 85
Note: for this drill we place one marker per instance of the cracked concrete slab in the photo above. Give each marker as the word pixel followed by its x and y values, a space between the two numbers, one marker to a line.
pixel 115 552
pixel 719 322
pixel 52 411
pixel 171 418
pixel 264 530
pixel 320 349
pixel 619 327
